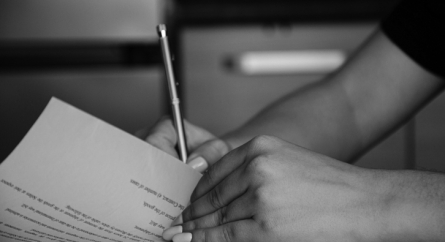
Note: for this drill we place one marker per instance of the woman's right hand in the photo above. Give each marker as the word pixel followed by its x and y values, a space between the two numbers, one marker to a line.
pixel 204 148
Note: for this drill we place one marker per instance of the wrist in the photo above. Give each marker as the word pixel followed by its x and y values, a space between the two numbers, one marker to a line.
pixel 411 206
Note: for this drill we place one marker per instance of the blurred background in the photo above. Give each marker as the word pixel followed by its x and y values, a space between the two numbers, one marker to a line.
pixel 231 57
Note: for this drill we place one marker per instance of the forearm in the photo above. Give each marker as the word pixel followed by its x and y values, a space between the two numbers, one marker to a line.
pixel 314 117
pixel 377 90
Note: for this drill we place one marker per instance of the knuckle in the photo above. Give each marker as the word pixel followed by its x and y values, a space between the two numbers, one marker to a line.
pixel 222 234
pixel 258 163
pixel 262 196
pixel 141 133
pixel 259 168
pixel 268 226
pixel 198 235
pixel 196 193
pixel 210 176
pixel 207 236
pixel 161 143
pixel 189 213
pixel 220 147
pixel 157 141
pixel 214 198
pixel 227 234
pixel 221 216
pixel 161 124
pixel 189 226
pixel 262 141
pixel 153 138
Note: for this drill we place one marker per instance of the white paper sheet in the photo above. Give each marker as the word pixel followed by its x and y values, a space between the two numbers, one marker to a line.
pixel 75 178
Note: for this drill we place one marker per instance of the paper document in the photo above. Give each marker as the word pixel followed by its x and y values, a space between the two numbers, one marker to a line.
pixel 76 178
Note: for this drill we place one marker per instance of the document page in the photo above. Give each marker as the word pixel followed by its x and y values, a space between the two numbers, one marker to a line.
pixel 76 178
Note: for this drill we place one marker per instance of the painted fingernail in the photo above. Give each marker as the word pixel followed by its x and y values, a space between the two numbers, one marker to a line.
pixel 183 237
pixel 178 220
pixel 199 164
pixel 170 232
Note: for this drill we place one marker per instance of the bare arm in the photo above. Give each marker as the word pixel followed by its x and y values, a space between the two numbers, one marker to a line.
pixel 268 189
pixel 374 93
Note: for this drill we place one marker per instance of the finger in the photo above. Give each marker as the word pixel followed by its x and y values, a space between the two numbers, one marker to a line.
pixel 231 188
pixel 199 164
pixel 178 220
pixel 211 150
pixel 205 148
pixel 239 209
pixel 221 169
pixel 175 228
pixel 163 136
pixel 182 237
pixel 208 154
pixel 142 133
pixel 239 231
pixel 196 135
pixel 169 233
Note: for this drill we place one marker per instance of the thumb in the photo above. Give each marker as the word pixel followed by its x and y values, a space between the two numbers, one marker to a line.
pixel 208 154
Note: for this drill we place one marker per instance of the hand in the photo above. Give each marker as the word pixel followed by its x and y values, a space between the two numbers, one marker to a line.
pixel 204 148
pixel 271 190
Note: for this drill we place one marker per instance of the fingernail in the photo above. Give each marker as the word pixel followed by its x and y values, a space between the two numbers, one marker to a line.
pixel 199 164
pixel 183 237
pixel 170 232
pixel 177 221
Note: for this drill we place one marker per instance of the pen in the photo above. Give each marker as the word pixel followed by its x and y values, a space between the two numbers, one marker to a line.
pixel 177 117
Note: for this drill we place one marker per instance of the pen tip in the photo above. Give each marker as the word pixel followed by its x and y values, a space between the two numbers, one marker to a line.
pixel 162 30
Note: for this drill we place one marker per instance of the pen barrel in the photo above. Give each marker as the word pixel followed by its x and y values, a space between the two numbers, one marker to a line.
pixel 168 67
pixel 177 117
pixel 179 125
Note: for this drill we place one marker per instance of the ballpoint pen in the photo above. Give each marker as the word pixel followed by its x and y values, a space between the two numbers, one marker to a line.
pixel 177 117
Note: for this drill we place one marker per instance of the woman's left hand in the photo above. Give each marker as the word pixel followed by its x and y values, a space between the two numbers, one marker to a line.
pixel 271 190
